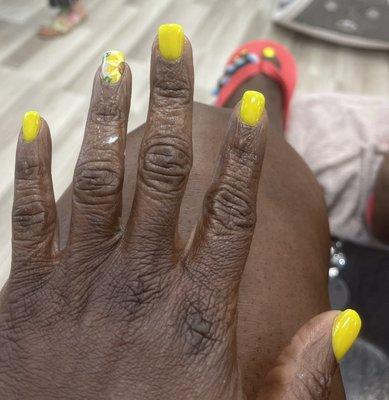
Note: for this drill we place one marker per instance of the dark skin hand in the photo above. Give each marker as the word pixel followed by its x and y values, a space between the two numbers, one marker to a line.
pixel 127 309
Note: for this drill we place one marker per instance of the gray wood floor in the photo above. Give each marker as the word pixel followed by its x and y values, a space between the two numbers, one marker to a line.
pixel 55 77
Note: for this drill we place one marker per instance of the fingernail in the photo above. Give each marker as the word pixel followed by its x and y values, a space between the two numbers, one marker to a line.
pixel 344 332
pixel 171 41
pixel 31 126
pixel 252 107
pixel 113 66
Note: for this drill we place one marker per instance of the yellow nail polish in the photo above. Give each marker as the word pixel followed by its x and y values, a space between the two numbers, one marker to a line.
pixel 269 52
pixel 171 41
pixel 113 66
pixel 252 107
pixel 31 126
pixel 344 332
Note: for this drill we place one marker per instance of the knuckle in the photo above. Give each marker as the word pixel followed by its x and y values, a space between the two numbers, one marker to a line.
pixel 32 206
pixel 139 295
pixel 32 218
pixel 166 166
pixel 97 179
pixel 29 213
pixel 314 383
pixel 231 207
pixel 244 155
pixel 171 87
pixel 107 112
pixel 28 172
pixel 165 93
pixel 198 329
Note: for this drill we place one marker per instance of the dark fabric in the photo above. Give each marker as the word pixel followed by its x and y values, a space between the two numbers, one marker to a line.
pixel 367 277
pixel 61 3
pixel 365 370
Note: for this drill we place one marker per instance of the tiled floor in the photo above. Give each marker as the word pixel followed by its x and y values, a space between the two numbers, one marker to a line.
pixel 55 76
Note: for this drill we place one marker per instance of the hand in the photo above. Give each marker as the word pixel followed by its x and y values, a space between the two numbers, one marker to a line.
pixel 122 312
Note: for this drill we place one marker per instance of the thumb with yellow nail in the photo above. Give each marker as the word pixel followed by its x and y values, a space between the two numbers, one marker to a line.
pixel 306 368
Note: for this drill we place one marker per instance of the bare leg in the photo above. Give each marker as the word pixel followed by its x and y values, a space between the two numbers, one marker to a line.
pixel 380 220
pixel 67 19
pixel 291 236
pixel 78 7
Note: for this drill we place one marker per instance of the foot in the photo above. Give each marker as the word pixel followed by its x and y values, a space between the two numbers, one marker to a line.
pixel 65 21
pixel 271 90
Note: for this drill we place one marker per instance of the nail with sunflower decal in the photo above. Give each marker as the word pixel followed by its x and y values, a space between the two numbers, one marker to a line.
pixel 113 66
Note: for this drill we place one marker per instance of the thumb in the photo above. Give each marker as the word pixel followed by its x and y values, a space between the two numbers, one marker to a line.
pixel 305 368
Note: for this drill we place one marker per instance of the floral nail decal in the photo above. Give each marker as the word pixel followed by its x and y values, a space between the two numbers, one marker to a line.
pixel 113 66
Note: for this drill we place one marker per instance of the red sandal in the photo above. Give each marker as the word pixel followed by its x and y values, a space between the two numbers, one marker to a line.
pixel 253 59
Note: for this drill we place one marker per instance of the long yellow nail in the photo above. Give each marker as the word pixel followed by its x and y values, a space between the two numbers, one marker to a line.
pixel 344 332
pixel 252 107
pixel 31 126
pixel 171 41
pixel 113 66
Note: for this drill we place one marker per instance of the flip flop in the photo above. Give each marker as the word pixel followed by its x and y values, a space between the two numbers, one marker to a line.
pixel 252 59
pixel 62 25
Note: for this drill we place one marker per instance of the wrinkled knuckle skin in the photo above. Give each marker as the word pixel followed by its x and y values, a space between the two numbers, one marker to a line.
pixel 29 173
pixel 136 298
pixel 172 87
pixel 94 181
pixel 313 384
pixel 168 95
pixel 243 155
pixel 198 329
pixel 166 166
pixel 107 112
pixel 29 212
pixel 32 215
pixel 230 207
pixel 30 209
